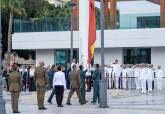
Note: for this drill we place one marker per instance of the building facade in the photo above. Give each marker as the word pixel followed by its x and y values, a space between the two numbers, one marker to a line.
pixel 138 38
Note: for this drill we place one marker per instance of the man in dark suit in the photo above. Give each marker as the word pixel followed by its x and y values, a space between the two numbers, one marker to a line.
pixel 75 85
pixel 24 79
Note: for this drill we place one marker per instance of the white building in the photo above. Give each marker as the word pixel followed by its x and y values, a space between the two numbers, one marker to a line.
pixel 57 2
pixel 134 42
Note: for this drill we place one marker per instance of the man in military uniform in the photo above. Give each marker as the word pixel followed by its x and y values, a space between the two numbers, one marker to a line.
pixel 96 77
pixel 75 85
pixel 15 84
pixel 83 87
pixel 41 81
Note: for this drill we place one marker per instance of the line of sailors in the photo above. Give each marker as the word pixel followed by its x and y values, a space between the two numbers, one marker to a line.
pixel 139 77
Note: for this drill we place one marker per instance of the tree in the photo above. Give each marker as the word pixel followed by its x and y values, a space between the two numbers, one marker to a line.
pixel 32 7
pixel 15 7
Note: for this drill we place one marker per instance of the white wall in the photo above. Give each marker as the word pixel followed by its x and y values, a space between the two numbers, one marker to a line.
pixel 158 58
pixel 44 40
pixel 110 55
pixel 133 38
pixel 45 55
pixel 113 38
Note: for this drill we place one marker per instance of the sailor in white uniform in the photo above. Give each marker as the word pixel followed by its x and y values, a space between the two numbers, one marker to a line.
pixel 116 73
pixel 137 77
pixel 130 74
pixel 74 63
pixel 159 76
pixel 124 77
pixel 143 73
pixel 150 77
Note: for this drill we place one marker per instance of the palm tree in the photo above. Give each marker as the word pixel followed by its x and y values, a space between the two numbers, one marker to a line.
pixel 15 7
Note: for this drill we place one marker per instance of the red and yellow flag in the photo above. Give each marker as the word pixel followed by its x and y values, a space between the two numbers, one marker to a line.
pixel 92 31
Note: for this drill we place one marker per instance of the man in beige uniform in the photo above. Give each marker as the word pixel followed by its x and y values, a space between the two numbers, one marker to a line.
pixel 75 85
pixel 41 81
pixel 15 84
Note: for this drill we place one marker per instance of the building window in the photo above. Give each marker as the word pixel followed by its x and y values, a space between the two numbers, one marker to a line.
pixel 148 22
pixel 63 56
pixel 137 55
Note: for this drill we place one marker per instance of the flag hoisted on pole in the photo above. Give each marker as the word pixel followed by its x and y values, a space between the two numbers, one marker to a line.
pixel 92 31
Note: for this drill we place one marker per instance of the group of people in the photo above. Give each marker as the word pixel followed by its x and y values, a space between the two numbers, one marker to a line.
pixel 77 79
pixel 139 76
pixel 27 76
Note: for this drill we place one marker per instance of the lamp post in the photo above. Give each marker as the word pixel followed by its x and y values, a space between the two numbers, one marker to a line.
pixel 2 102
pixel 72 5
pixel 103 82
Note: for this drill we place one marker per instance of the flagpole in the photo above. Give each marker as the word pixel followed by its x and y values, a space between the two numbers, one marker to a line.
pixel 103 82
pixel 71 41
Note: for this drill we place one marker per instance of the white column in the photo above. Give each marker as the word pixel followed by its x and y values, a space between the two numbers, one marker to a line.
pixel 83 31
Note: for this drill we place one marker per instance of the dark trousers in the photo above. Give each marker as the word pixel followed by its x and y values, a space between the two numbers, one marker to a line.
pixel 32 86
pixel 50 83
pixel 89 78
pixel 51 95
pixel 24 86
pixel 59 94
pixel 67 83
pixel 7 84
pixel 96 95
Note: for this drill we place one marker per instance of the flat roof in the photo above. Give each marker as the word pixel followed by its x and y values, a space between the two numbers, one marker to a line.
pixel 135 7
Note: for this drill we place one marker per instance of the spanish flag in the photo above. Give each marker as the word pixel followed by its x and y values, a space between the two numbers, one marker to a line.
pixel 92 31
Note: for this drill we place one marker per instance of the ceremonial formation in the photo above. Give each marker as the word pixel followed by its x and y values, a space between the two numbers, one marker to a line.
pixel 84 47
pixel 140 77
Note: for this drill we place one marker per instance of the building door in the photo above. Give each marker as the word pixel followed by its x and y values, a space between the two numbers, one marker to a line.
pixel 137 55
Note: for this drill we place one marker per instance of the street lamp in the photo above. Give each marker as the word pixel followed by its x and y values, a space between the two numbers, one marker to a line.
pixel 103 82
pixel 2 102
pixel 72 5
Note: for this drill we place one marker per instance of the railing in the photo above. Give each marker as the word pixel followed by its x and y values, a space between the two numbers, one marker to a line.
pixel 63 23
pixel 42 24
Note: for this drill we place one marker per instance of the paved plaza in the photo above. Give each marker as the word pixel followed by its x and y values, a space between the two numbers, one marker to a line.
pixel 119 101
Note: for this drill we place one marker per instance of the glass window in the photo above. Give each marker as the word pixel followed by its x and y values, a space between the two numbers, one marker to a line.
pixel 63 56
pixel 137 55
pixel 148 22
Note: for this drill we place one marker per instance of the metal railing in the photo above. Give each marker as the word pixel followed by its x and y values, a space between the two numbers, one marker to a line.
pixel 46 24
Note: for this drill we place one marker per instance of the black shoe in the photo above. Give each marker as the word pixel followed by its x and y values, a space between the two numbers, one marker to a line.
pixel 60 105
pixel 16 112
pixel 68 103
pixel 82 103
pixel 44 108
